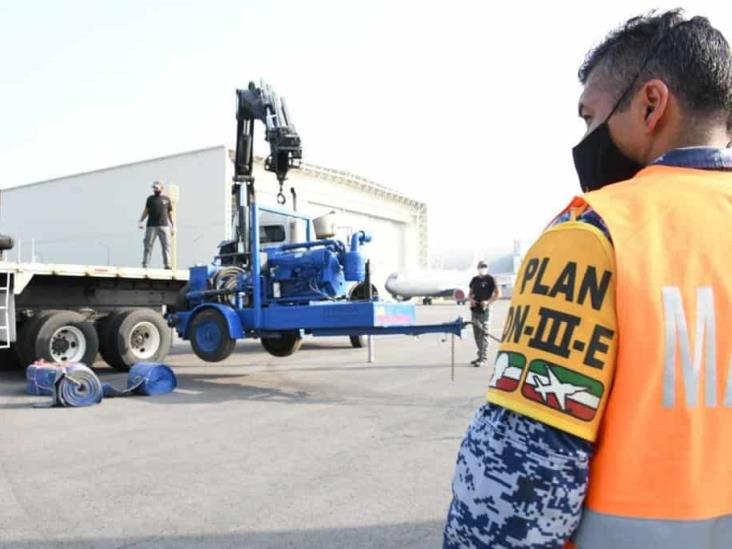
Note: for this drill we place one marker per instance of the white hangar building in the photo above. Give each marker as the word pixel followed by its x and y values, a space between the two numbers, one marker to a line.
pixel 91 218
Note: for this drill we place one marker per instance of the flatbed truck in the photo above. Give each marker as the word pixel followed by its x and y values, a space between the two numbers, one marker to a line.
pixel 73 313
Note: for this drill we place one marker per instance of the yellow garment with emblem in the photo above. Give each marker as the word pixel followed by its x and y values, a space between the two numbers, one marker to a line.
pixel 557 357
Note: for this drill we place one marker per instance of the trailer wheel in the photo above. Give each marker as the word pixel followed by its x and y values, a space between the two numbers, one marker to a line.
pixel 64 336
pixel 361 291
pixel 427 301
pixel 135 335
pixel 210 337
pixel 358 341
pixel 286 345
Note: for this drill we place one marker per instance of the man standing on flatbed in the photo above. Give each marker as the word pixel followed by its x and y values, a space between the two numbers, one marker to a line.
pixel 159 213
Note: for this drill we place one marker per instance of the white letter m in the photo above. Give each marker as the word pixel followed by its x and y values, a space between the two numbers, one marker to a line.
pixel 705 346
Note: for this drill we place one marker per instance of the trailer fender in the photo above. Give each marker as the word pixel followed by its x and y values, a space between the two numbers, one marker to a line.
pixel 232 319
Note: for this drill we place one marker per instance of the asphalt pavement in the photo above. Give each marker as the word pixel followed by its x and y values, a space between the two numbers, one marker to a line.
pixel 317 450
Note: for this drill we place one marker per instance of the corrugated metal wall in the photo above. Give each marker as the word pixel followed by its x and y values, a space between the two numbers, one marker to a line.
pixel 92 218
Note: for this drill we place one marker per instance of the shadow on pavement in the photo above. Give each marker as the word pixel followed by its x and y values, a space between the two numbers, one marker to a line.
pixel 253 346
pixel 409 535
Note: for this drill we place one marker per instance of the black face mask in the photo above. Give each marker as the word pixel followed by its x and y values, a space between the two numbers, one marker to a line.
pixel 597 159
pixel 599 162
pixel 157 193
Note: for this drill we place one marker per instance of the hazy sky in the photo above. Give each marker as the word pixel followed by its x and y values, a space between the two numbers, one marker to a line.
pixel 470 106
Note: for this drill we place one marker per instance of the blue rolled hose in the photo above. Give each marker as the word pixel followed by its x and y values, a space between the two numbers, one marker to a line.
pixel 152 378
pixel 146 378
pixel 40 378
pixel 77 386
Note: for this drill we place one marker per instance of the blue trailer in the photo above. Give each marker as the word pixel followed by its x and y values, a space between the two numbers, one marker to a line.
pixel 281 293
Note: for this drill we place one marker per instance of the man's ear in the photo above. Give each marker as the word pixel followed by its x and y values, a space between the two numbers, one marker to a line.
pixel 654 98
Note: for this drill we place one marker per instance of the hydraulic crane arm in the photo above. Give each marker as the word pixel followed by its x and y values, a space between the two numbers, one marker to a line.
pixel 263 104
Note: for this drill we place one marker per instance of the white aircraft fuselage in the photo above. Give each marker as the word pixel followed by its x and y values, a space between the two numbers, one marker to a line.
pixel 406 285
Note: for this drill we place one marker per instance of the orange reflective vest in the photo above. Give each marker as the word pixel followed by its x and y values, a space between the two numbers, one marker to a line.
pixel 661 476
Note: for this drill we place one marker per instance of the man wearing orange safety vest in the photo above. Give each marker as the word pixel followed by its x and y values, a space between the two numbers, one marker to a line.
pixel 609 414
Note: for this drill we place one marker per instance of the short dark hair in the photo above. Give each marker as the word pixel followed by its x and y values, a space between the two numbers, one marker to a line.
pixel 689 55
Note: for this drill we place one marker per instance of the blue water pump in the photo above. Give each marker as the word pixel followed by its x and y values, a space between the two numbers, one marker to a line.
pixel 307 271
pixel 283 292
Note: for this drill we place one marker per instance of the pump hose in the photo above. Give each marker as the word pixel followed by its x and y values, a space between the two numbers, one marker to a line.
pixel 73 385
pixel 145 378
pixel 226 279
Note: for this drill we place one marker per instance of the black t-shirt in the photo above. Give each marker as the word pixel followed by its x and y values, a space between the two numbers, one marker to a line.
pixel 483 287
pixel 158 210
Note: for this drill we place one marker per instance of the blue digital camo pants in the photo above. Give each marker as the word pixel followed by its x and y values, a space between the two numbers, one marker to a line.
pixel 517 484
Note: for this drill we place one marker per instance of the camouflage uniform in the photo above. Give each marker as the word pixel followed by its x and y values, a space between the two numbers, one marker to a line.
pixel 481 328
pixel 517 484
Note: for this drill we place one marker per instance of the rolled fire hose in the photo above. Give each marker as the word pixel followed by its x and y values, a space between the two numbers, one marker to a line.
pixel 76 385
pixel 145 378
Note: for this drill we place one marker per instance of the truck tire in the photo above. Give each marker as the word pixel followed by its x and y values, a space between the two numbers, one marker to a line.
pixel 64 336
pixel 135 335
pixel 358 342
pixel 286 345
pixel 27 334
pixel 107 335
pixel 209 334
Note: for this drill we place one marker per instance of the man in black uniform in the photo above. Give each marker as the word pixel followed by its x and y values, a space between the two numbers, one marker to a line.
pixel 159 213
pixel 483 292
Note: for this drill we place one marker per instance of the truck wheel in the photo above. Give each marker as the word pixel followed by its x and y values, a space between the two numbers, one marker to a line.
pixel 27 334
pixel 358 341
pixel 285 345
pixel 427 301
pixel 64 336
pixel 135 335
pixel 104 327
pixel 210 337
